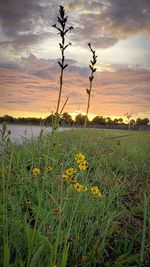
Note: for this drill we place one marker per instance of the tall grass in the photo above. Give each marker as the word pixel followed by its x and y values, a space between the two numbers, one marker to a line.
pixel 62 31
pixel 47 222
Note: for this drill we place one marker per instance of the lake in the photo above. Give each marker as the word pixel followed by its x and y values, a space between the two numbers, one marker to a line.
pixel 20 133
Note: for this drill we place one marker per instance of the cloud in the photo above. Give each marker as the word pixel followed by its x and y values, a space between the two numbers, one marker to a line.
pixel 19 17
pixel 108 22
pixel 31 83
pixel 26 23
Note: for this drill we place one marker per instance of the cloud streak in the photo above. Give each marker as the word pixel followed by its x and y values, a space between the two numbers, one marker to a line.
pixel 33 82
pixel 29 54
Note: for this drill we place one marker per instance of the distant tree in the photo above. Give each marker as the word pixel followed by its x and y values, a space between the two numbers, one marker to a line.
pixel 138 121
pixel 120 120
pixel 80 119
pixel 98 120
pixel 8 118
pixel 132 122
pixel 115 121
pixel 49 119
pixel 66 118
pixel 144 121
pixel 109 120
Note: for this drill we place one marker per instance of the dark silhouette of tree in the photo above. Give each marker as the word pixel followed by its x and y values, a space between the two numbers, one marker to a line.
pixel 98 120
pixel 49 119
pixel 120 120
pixel 115 121
pixel 144 121
pixel 8 118
pixel 109 120
pixel 80 119
pixel 66 118
pixel 132 122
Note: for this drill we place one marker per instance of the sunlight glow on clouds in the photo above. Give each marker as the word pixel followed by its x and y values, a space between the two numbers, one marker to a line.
pixel 119 30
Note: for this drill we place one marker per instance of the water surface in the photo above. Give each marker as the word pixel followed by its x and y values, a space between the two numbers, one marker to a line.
pixel 20 133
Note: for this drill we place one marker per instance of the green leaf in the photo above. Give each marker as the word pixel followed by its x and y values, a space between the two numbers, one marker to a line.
pixel 6 255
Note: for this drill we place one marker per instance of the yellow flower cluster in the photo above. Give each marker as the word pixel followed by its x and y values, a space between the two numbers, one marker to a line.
pixel 80 187
pixel 71 178
pixel 81 161
pixel 79 157
pixel 68 173
pixel 36 171
pixel 95 191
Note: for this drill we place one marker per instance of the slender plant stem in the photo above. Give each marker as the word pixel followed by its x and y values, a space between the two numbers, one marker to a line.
pixel 61 79
pixel 88 104
pixel 64 105
pixel 93 70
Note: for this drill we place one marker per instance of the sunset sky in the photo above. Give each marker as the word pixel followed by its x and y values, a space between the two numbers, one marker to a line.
pixel 119 31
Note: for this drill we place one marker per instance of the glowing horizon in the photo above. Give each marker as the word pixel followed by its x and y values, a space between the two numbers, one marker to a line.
pixel 29 53
pixel 17 114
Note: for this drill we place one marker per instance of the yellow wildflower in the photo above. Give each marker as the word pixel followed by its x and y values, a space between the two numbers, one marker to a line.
pixel 65 177
pixel 49 168
pixel 70 171
pixel 83 165
pixel 78 187
pixel 95 191
pixel 79 157
pixel 36 171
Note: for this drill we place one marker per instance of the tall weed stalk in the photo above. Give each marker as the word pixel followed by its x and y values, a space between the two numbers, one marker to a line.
pixel 93 70
pixel 62 31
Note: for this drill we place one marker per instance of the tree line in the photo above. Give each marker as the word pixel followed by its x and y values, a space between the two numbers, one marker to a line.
pixel 67 120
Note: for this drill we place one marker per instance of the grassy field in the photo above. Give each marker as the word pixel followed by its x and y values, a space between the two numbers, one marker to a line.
pixel 61 208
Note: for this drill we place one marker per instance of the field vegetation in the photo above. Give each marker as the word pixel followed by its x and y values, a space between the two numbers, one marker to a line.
pixel 76 198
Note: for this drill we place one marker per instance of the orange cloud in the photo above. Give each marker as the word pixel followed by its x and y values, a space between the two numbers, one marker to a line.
pixel 32 85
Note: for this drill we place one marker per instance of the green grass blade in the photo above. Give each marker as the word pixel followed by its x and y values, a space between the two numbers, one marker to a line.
pixel 144 230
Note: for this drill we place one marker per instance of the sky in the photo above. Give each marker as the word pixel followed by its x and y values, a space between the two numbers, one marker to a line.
pixel 119 32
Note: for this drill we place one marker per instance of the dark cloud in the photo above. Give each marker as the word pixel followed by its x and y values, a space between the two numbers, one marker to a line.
pixel 127 17
pixel 28 22
pixel 9 65
pixel 112 21
pixel 20 16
